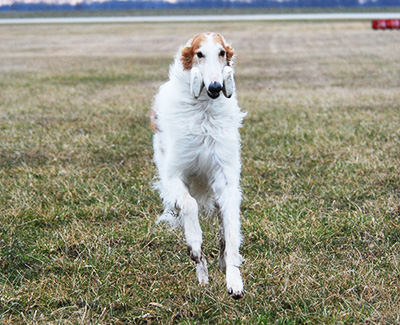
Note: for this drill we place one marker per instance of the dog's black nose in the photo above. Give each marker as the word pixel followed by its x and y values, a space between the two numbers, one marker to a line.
pixel 214 88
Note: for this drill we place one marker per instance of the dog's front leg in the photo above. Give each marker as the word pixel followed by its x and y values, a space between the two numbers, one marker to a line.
pixel 187 208
pixel 229 198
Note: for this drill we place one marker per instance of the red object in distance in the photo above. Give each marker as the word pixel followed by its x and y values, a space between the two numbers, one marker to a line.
pixel 386 24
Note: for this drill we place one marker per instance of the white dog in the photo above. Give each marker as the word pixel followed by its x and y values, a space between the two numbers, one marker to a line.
pixel 197 150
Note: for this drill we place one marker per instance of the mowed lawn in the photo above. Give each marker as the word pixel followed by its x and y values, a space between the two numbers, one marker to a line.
pixel 320 176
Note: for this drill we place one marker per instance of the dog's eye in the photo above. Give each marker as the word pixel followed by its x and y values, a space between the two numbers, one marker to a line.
pixel 222 53
pixel 200 55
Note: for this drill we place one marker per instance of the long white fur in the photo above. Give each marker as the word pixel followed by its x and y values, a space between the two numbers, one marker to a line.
pixel 197 154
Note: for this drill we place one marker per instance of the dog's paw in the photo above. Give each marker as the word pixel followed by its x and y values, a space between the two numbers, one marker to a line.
pixel 171 218
pixel 202 271
pixel 234 282
pixel 235 294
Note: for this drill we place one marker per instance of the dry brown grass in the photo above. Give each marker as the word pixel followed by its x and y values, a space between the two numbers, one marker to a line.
pixel 320 176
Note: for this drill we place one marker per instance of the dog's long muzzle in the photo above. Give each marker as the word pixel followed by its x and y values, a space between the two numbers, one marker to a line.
pixel 214 89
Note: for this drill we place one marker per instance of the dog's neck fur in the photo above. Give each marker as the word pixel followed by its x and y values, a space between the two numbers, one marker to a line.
pixel 177 72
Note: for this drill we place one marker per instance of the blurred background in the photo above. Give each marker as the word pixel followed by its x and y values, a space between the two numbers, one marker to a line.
pixel 77 5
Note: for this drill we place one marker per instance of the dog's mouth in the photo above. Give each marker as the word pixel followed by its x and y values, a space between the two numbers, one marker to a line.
pixel 213 95
pixel 214 89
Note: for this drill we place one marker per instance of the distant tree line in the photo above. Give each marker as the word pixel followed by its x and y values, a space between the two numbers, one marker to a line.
pixel 200 4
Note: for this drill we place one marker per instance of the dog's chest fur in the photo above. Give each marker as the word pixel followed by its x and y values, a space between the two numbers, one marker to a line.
pixel 201 136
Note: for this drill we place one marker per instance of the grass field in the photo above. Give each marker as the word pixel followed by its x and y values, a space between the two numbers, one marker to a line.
pixel 321 155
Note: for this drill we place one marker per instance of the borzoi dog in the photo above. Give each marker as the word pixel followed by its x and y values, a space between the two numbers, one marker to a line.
pixel 197 150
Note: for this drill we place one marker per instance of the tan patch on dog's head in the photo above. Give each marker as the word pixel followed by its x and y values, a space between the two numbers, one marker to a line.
pixel 189 51
pixel 227 48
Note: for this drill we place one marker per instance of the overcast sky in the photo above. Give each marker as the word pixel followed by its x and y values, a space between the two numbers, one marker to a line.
pixel 74 2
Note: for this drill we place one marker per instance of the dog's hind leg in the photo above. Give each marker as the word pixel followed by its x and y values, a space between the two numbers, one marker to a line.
pixel 187 208
pixel 222 244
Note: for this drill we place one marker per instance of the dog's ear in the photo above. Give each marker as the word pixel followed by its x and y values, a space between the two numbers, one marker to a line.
pixel 187 57
pixel 188 52
pixel 230 54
